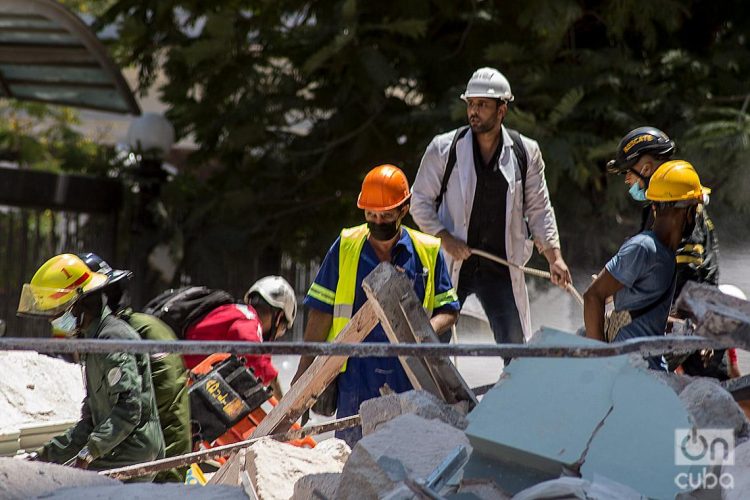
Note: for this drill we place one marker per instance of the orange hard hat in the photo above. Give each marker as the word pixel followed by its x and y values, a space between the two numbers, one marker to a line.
pixel 385 187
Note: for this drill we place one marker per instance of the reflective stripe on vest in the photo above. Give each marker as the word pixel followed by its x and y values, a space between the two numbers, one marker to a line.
pixel 352 241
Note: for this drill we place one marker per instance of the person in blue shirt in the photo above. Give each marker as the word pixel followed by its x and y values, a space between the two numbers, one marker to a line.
pixel 337 293
pixel 642 275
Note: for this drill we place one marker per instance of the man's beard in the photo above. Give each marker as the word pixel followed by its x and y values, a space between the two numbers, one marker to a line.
pixel 481 127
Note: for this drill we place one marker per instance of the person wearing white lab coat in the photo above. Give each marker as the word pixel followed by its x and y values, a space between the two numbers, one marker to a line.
pixel 489 205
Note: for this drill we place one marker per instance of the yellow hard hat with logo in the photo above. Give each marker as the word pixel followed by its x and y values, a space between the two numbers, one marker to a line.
pixel 57 285
pixel 676 181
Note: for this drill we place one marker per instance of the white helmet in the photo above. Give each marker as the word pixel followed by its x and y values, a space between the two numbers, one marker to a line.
pixel 488 82
pixel 278 293
pixel 733 291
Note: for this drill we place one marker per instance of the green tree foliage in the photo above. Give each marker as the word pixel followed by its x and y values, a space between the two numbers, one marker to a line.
pixel 42 137
pixel 293 101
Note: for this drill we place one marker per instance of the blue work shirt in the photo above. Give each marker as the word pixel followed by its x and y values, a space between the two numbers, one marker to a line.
pixel 364 377
pixel 646 269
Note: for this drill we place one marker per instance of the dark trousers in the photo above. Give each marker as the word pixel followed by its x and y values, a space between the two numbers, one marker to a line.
pixel 491 284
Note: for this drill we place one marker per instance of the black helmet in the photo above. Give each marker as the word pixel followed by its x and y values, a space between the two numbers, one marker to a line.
pixel 98 265
pixel 636 143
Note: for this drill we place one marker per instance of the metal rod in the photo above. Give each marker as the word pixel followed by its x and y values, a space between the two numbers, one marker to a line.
pixel 649 346
pixel 145 468
pixel 528 270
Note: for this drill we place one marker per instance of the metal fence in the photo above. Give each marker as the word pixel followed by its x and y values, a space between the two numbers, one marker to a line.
pixel 30 237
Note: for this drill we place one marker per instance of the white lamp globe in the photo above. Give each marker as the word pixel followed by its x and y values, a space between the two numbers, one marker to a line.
pixel 151 136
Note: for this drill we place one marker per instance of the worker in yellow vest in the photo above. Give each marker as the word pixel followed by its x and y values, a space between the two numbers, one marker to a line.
pixel 337 292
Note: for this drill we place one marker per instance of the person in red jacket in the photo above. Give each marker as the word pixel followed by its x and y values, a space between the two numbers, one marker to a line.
pixel 269 309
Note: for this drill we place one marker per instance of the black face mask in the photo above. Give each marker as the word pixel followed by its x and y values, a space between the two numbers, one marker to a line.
pixel 385 231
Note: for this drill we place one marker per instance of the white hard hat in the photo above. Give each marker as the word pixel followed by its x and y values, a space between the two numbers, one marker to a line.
pixel 278 293
pixel 733 291
pixel 488 82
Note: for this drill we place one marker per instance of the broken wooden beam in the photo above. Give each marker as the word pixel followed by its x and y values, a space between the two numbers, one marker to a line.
pixel 405 322
pixel 385 289
pixel 303 394
pixel 738 387
pixel 716 314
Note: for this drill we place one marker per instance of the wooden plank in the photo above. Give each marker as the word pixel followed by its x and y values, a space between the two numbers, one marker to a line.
pixel 312 383
pixel 405 321
pixel 716 314
pixel 385 288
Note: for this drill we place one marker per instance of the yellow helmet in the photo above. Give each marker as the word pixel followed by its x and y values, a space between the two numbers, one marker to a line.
pixel 676 181
pixel 57 285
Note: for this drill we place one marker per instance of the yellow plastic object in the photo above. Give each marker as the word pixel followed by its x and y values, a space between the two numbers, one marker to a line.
pixel 195 476
pixel 674 181
pixel 57 284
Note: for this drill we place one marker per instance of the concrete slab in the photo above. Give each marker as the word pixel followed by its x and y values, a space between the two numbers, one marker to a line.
pixel 543 411
pixel 149 492
pixel 21 479
pixel 636 444
pixel 600 416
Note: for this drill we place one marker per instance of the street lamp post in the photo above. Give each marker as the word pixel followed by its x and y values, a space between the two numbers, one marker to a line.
pixel 150 137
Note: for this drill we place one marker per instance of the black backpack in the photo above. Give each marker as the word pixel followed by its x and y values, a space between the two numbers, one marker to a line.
pixel 181 307
pixel 518 149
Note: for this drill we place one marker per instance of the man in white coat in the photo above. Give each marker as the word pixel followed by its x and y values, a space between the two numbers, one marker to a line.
pixel 483 187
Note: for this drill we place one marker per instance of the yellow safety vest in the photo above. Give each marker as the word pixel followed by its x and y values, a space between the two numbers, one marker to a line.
pixel 352 241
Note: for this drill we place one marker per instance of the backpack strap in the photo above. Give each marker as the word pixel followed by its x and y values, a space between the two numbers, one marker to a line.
pixel 449 166
pixel 521 156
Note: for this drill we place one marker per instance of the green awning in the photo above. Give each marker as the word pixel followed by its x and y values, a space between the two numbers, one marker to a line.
pixel 48 54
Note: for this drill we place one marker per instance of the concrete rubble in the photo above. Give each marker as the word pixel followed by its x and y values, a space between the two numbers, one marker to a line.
pixel 275 467
pixel 42 390
pixel 376 412
pixel 408 446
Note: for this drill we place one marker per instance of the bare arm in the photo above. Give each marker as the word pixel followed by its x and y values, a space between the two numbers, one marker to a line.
pixel 594 298
pixel 318 326
pixel 442 321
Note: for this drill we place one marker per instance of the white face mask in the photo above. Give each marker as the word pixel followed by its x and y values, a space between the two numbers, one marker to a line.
pixel 65 326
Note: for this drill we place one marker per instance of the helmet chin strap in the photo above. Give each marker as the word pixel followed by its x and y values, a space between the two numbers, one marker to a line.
pixel 640 176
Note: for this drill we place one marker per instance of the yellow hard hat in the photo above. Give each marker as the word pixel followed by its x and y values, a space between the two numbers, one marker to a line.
pixel 676 181
pixel 57 285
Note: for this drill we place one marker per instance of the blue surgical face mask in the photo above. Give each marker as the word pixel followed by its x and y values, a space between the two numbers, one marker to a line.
pixel 637 192
pixel 65 326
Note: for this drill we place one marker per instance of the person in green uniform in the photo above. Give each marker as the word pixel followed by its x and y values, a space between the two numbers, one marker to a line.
pixel 119 422
pixel 168 372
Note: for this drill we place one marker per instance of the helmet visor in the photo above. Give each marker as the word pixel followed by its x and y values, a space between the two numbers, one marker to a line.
pixel 45 302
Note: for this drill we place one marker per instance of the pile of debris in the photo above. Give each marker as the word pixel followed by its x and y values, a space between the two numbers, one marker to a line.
pixel 40 397
pixel 569 428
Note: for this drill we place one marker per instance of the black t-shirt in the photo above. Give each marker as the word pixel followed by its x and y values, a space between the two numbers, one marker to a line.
pixel 487 222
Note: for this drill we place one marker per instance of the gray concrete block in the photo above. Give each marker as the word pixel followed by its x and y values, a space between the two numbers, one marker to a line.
pixel 316 486
pixel 407 446
pixel 636 444
pixel 149 492
pixel 542 412
pixel 711 406
pixel 21 479
pixel 377 411
pixel 674 380
pixel 739 474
